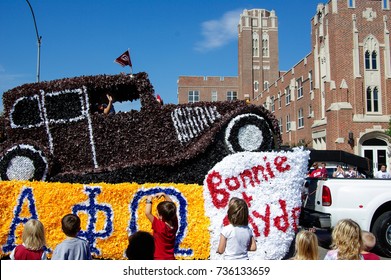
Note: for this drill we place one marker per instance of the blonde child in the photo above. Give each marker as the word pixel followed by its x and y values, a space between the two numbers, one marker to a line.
pixel 33 237
pixel 236 239
pixel 369 241
pixel 306 246
pixel 165 226
pixel 346 241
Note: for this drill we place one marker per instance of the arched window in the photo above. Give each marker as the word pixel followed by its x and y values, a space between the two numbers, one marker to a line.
pixel 369 99
pixel 372 100
pixel 367 60
pixel 265 44
pixel 374 61
pixel 375 100
pixel 371 50
pixel 255 44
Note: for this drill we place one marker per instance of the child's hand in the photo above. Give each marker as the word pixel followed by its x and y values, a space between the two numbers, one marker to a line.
pixel 149 197
pixel 160 195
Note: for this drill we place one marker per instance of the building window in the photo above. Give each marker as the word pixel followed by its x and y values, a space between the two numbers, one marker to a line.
pixel 374 61
pixel 367 60
pixel 299 88
pixel 370 60
pixel 288 123
pixel 386 4
pixel 214 95
pixel 255 44
pixel 310 111
pixel 300 118
pixel 265 44
pixel 287 96
pixel 232 95
pixel 194 96
pixel 280 125
pixel 372 100
pixel 256 86
pixel 371 51
pixel 272 103
pixel 265 85
pixel 351 3
pixel 311 81
pixel 279 100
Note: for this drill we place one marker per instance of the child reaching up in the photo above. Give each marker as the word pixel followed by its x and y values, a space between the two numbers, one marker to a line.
pixel 165 226
pixel 236 239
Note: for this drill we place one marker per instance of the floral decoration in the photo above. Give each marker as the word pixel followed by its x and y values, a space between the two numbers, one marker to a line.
pixel 109 213
pixel 169 143
pixel 271 184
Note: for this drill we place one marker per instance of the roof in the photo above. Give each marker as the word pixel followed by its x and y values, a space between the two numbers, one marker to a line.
pixel 363 164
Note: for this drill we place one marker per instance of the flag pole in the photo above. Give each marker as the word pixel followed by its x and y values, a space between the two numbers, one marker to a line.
pixel 130 64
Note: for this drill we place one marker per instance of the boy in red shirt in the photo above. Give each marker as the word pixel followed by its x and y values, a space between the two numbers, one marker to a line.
pixel 165 226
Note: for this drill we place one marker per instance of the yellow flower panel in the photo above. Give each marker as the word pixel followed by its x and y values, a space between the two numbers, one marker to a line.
pixel 108 212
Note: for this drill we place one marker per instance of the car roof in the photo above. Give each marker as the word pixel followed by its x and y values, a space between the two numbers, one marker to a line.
pixel 121 87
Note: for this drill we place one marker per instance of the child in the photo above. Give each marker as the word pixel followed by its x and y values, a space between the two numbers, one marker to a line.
pixel 236 239
pixel 369 241
pixel 346 241
pixel 141 246
pixel 306 246
pixel 33 237
pixel 72 248
pixel 164 226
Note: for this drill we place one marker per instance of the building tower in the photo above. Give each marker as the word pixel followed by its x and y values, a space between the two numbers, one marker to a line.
pixel 257 52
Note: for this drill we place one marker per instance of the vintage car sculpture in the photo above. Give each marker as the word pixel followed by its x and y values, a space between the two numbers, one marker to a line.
pixel 52 133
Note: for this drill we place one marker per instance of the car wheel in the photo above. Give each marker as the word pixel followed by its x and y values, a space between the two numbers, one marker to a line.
pixel 23 162
pixel 248 132
pixel 382 231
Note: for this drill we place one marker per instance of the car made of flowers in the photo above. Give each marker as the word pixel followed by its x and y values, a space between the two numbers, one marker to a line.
pixel 53 133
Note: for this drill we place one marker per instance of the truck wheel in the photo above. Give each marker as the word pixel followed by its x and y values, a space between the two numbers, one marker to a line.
pixel 248 132
pixel 23 162
pixel 382 231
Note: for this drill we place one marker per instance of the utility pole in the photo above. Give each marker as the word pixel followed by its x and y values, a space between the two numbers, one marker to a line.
pixel 39 40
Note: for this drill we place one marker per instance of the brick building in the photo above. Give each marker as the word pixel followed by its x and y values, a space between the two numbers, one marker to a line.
pixel 337 97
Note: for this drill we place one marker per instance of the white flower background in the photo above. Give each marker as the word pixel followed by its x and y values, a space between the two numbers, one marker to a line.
pixel 284 185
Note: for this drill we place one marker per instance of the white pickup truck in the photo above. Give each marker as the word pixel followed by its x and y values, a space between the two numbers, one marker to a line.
pixel 366 201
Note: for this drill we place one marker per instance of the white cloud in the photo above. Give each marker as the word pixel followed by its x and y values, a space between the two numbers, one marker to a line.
pixel 219 32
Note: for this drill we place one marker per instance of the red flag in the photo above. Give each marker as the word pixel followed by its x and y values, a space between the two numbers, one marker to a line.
pixel 159 99
pixel 124 59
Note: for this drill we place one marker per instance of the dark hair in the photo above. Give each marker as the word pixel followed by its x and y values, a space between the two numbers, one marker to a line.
pixel 238 213
pixel 141 246
pixel 167 209
pixel 70 224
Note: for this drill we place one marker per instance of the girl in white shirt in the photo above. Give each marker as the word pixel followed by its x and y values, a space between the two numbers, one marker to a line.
pixel 236 239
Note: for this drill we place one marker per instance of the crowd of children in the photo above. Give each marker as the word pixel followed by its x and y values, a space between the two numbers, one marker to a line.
pixel 349 242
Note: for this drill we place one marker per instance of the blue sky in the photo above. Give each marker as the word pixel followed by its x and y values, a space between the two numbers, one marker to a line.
pixel 166 39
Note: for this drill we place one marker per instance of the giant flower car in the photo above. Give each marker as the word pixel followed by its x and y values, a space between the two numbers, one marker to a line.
pixel 52 133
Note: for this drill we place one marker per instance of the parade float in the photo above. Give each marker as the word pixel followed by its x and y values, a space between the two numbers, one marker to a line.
pixel 60 156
